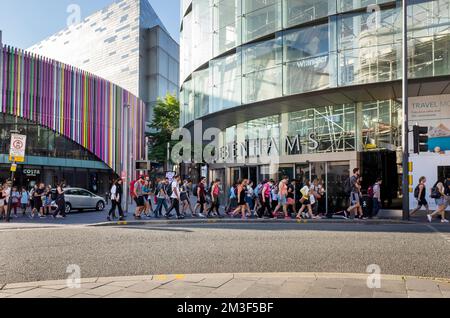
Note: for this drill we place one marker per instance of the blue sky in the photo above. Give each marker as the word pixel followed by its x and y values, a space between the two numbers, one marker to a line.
pixel 26 22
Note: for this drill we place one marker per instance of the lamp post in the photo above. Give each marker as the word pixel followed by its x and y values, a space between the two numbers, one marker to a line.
pixel 405 146
pixel 125 164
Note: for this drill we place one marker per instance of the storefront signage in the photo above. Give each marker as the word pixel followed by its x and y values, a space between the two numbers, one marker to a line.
pixel 268 147
pixel 31 172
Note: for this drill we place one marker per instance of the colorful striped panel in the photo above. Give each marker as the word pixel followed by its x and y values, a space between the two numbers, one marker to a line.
pixel 78 105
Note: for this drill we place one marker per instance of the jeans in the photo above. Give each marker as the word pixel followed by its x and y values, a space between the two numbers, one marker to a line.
pixel 112 211
pixel 376 207
pixel 61 208
pixel 159 205
pixel 176 206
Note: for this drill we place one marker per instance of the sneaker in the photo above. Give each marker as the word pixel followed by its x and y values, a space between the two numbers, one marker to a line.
pixel 43 217
pixel 444 221
pixel 200 215
pixel 429 218
pixel 59 217
pixel 181 217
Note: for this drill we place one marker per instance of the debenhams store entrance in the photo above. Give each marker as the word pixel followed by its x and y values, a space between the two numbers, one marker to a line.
pixel 323 143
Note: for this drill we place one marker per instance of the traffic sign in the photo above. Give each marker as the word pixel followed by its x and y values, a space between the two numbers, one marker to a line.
pixel 17 148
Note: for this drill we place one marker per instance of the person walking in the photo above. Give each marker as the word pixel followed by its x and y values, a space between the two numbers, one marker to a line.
pixel 60 211
pixel 376 199
pixel 185 197
pixel 38 196
pixel 175 196
pixel 15 200
pixel 201 197
pixel 147 191
pixel 139 197
pixel 2 201
pixel 116 200
pixel 249 198
pixel 161 198
pixel 24 200
pixel 214 210
pixel 420 194
pixel 282 197
pixel 265 198
pixel 232 199
pixel 306 202
pixel 242 204
pixel 355 194
pixel 438 193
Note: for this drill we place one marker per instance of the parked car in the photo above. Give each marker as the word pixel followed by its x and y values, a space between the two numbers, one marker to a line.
pixel 82 199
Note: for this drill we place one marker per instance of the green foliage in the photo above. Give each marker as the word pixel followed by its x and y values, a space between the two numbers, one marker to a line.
pixel 166 119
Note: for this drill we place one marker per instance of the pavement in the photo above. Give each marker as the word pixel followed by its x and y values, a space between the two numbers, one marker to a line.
pixel 238 285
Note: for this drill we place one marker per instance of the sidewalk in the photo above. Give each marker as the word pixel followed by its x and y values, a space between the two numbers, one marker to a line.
pixel 253 285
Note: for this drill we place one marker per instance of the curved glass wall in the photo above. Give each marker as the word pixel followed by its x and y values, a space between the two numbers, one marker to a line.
pixel 41 141
pixel 272 48
pixel 336 128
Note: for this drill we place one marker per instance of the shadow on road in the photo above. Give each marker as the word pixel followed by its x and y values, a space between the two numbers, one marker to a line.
pixel 331 227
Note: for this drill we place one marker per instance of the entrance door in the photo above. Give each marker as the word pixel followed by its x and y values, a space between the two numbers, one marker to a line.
pixel 337 173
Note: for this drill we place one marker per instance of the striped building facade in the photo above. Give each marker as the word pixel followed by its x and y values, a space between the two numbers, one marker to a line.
pixel 73 103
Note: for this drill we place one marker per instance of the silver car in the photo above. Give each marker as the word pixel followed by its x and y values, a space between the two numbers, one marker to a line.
pixel 81 199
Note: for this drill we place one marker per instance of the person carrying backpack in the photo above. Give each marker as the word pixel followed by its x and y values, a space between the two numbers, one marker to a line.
pixel 438 193
pixel 420 193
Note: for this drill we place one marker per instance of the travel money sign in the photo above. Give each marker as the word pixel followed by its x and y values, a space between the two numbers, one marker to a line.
pixel 17 148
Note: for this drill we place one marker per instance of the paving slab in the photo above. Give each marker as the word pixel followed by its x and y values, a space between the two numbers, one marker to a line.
pixel 417 284
pixel 103 291
pixel 144 287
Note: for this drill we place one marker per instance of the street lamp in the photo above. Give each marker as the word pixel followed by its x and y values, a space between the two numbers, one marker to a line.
pixel 405 150
pixel 125 157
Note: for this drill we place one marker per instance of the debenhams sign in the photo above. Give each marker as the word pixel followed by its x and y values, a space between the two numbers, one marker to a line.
pixel 267 147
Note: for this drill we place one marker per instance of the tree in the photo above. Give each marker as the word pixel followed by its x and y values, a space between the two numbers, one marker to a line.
pixel 165 120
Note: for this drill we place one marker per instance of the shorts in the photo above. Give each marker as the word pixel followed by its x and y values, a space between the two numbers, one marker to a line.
pixel 306 202
pixel 282 200
pixel 201 200
pixel 441 201
pixel 38 204
pixel 139 201
pixel 422 202
pixel 354 198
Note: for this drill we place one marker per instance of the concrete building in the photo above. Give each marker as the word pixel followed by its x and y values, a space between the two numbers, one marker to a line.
pixel 125 43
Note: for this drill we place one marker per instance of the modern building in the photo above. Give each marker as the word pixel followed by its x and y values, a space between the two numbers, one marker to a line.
pixel 125 43
pixel 77 124
pixel 312 89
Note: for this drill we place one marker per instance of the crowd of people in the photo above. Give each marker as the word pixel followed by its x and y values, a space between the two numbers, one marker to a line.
pixel 40 201
pixel 286 199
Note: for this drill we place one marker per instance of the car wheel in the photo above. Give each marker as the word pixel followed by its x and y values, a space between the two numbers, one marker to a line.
pixel 68 208
pixel 100 206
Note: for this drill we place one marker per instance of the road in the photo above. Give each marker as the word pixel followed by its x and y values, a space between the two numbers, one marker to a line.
pixel 44 254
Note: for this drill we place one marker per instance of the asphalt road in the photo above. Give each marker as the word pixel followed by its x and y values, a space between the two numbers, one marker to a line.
pixel 44 254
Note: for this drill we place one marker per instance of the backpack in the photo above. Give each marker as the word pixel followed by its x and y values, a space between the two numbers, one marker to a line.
pixel 370 192
pixel 416 192
pixel 195 190
pixel 169 190
pixel 53 194
pixel 435 194
pixel 348 186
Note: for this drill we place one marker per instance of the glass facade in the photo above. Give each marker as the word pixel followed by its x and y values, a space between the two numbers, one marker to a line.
pixel 347 127
pixel 236 52
pixel 41 142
